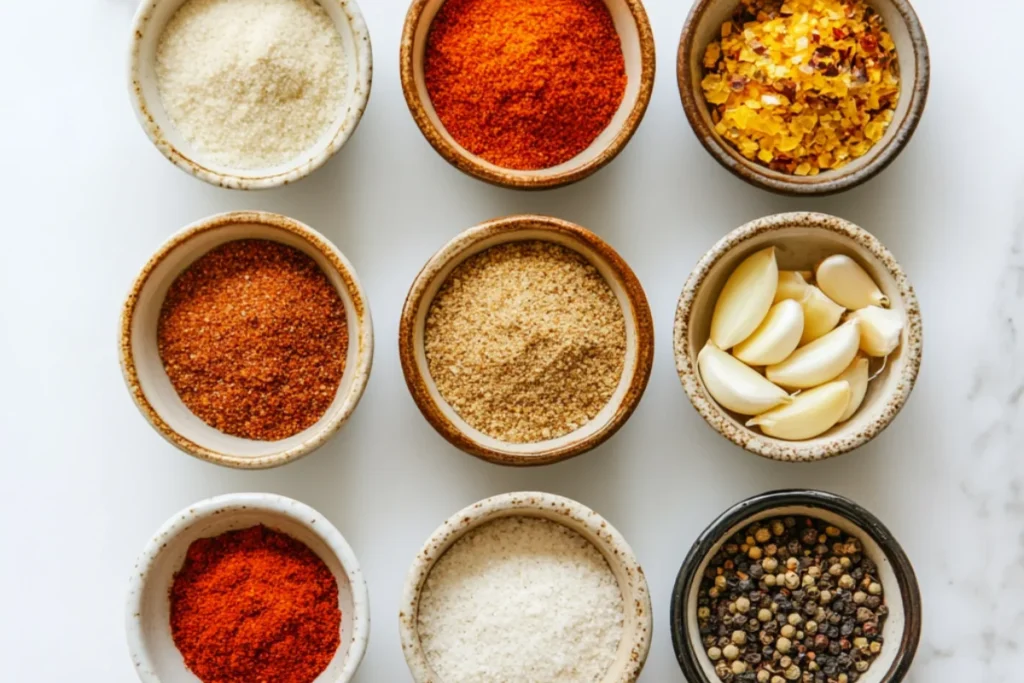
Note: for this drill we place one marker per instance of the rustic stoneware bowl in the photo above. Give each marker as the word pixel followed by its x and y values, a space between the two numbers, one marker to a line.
pixel 639 340
pixel 703 25
pixel 801 241
pixel 902 629
pixel 634 31
pixel 151 19
pixel 147 610
pixel 636 638
pixel 144 371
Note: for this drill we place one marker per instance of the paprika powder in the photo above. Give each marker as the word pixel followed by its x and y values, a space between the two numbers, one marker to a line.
pixel 255 605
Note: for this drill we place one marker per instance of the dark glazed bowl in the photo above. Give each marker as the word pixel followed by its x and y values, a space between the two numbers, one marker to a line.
pixel 902 628
pixel 912 49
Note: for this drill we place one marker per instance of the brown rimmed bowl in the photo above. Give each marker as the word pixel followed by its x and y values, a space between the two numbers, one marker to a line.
pixel 636 638
pixel 144 372
pixel 703 25
pixel 801 241
pixel 637 39
pixel 618 275
pixel 902 629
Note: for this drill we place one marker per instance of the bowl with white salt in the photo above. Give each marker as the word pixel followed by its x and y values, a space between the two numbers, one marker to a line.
pixel 525 586
pixel 249 94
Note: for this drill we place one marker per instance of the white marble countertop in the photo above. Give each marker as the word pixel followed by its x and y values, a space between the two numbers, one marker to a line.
pixel 84 481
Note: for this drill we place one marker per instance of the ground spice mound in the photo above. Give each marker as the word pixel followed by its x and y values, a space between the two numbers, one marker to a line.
pixel 525 84
pixel 526 341
pixel 253 337
pixel 255 605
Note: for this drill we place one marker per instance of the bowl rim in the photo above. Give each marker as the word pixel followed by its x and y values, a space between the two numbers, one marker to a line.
pixel 363 325
pixel 468 163
pixel 343 127
pixel 860 517
pixel 526 503
pixel 716 417
pixel 825 183
pixel 296 510
pixel 454 250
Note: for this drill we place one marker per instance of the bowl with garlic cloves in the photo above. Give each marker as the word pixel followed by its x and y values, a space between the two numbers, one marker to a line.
pixel 798 337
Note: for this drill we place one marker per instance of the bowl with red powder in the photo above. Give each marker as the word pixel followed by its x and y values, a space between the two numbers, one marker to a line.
pixel 246 340
pixel 527 93
pixel 247 587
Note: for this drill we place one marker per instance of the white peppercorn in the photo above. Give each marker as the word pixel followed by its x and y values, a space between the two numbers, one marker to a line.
pixel 714 654
pixel 783 644
pixel 731 652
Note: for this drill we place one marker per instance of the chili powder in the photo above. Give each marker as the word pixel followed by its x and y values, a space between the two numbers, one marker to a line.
pixel 253 336
pixel 255 605
pixel 525 84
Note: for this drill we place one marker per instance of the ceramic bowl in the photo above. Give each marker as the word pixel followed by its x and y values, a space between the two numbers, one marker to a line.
pixel 624 284
pixel 703 25
pixel 801 241
pixel 636 638
pixel 151 19
pixel 902 629
pixel 634 31
pixel 144 371
pixel 147 610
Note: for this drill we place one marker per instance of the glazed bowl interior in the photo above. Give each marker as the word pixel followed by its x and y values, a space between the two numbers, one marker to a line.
pixel 157 659
pixel 150 22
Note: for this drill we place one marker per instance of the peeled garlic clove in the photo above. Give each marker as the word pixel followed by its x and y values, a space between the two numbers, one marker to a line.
pixel 809 413
pixel 745 299
pixel 857 375
pixel 880 330
pixel 776 338
pixel 849 285
pixel 735 386
pixel 792 285
pixel 820 361
pixel 821 314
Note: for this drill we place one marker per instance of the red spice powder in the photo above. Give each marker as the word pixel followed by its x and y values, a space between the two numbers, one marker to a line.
pixel 253 606
pixel 253 337
pixel 525 84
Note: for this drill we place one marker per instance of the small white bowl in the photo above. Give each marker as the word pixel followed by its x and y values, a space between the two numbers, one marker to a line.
pixel 147 609
pixel 144 372
pixel 151 19
pixel 636 599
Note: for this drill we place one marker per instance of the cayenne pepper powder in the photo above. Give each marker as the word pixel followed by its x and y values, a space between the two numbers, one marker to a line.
pixel 253 336
pixel 525 84
pixel 254 606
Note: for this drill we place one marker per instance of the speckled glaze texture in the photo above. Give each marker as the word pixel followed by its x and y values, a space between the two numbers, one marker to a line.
pixel 360 333
pixel 683 621
pixel 507 229
pixel 844 437
pixel 632 652
pixel 524 180
pixel 361 72
pixel 825 183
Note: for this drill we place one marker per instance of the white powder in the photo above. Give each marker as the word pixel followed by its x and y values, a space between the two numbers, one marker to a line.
pixel 521 600
pixel 251 83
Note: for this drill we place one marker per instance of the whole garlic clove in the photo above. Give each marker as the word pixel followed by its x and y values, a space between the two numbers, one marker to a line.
pixel 821 314
pixel 735 386
pixel 880 330
pixel 857 375
pixel 820 361
pixel 776 338
pixel 809 414
pixel 845 282
pixel 745 299
pixel 792 285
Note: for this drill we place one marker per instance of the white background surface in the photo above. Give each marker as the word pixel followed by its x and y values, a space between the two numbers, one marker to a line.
pixel 84 481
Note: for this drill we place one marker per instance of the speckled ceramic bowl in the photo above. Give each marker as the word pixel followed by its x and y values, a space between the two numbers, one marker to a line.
pixel 147 609
pixel 144 371
pixel 625 286
pixel 636 638
pixel 703 25
pixel 902 629
pixel 801 241
pixel 634 31
pixel 151 19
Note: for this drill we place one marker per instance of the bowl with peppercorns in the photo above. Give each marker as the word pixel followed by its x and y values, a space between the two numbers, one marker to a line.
pixel 796 585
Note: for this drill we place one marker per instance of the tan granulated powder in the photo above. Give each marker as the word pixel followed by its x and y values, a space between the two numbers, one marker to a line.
pixel 526 341
pixel 253 336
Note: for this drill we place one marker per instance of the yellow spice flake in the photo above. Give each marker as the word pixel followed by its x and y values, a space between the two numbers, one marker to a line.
pixel 802 86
